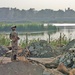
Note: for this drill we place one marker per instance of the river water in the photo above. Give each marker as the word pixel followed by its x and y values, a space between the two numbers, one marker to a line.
pixel 68 33
pixel 54 36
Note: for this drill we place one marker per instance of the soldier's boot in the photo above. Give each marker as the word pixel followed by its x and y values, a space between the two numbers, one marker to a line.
pixel 15 57
pixel 12 58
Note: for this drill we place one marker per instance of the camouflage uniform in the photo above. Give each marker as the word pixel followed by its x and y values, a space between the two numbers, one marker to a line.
pixel 69 58
pixel 14 42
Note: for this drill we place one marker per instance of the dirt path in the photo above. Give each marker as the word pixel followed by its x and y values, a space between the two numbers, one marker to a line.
pixel 5 59
pixel 43 60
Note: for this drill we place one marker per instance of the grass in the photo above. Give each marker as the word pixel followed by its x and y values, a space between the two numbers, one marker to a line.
pixel 23 43
pixel 4 40
pixel 26 27
pixel 57 43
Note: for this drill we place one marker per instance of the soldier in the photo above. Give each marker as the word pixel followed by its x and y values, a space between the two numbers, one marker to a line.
pixel 14 42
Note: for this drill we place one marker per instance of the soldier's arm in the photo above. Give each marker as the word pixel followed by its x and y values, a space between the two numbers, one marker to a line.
pixel 16 36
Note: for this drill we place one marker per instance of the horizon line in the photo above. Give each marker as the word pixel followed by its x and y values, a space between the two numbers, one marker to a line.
pixel 38 9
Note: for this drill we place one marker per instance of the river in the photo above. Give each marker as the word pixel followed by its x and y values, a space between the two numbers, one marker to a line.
pixel 67 30
pixel 68 33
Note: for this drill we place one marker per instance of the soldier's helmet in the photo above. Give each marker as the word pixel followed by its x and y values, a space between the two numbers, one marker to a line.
pixel 13 27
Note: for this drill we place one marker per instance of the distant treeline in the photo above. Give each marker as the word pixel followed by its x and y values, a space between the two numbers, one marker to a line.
pixel 32 15
pixel 26 27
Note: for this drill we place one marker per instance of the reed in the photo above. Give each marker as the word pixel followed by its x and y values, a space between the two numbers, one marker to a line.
pixel 4 40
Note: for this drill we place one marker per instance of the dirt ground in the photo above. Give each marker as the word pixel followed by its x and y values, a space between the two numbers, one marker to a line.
pixel 20 68
pixel 26 68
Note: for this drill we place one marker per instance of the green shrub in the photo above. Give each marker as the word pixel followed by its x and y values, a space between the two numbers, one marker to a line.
pixel 4 40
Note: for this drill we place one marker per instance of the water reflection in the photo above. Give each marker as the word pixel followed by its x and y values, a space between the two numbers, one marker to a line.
pixel 68 33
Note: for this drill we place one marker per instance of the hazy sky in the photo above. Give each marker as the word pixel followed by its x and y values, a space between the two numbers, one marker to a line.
pixel 38 4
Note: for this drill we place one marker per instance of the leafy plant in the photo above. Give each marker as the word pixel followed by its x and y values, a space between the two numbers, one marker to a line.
pixel 4 40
